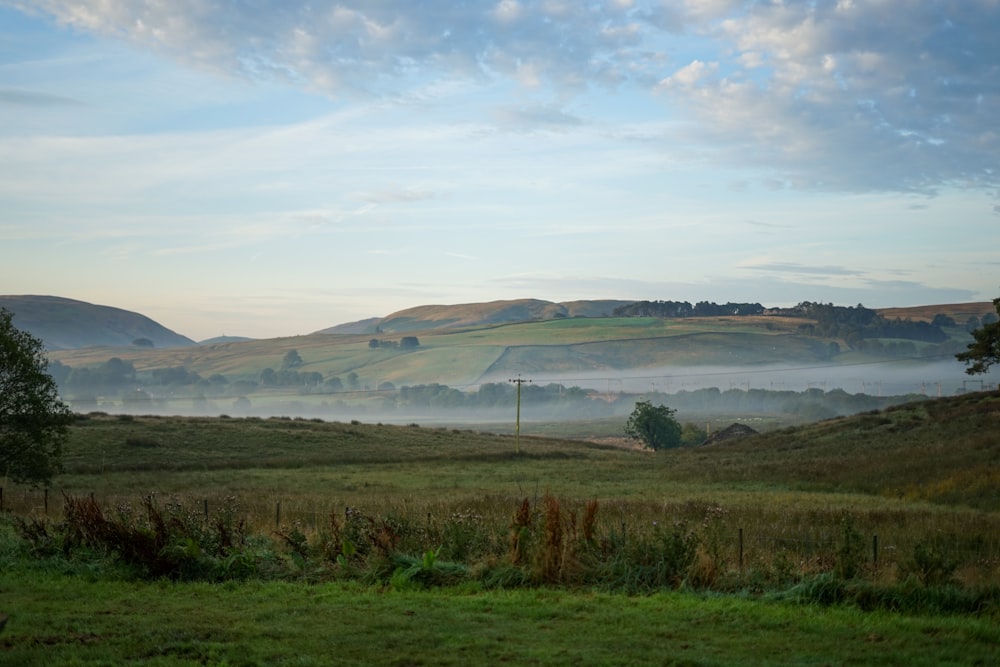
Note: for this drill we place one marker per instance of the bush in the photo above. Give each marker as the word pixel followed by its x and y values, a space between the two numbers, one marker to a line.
pixel 929 564
pixel 169 542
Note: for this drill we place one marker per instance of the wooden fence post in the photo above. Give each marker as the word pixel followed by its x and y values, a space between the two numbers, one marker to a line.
pixel 206 509
pixel 46 500
pixel 741 549
pixel 875 551
pixel 277 516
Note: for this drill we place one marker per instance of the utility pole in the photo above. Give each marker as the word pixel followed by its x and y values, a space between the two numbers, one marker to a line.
pixel 517 423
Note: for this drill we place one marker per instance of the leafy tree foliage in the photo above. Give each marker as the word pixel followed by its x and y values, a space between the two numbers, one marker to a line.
pixel 671 309
pixel 942 320
pixel 33 421
pixel 175 375
pixel 984 350
pixel 291 360
pixel 856 323
pixel 113 373
pixel 654 425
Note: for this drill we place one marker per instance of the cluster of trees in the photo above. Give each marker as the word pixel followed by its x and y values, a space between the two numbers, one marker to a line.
pixel 556 399
pixel 112 374
pixel 404 343
pixel 117 374
pixel 809 404
pixel 498 395
pixel 907 349
pixel 670 309
pixel 854 324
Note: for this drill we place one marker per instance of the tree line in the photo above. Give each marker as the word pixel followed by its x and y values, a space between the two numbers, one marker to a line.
pixel 857 326
pixel 672 309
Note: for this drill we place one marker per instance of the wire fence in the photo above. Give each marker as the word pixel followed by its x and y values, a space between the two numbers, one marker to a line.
pixel 732 544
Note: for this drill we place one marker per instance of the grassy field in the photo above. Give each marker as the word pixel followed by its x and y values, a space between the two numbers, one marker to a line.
pixel 459 357
pixel 872 539
pixel 62 620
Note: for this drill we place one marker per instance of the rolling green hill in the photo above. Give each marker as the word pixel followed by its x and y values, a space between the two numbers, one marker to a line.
pixel 422 318
pixel 467 356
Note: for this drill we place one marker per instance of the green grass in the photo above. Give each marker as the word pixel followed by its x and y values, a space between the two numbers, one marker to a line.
pixel 58 619
pixel 944 451
pixel 919 479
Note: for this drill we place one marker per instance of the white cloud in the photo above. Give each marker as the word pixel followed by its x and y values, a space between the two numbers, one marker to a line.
pixel 359 142
pixel 849 96
pixel 691 75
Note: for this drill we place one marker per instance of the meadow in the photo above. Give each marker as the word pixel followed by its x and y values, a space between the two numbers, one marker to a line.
pixel 872 539
pixel 461 357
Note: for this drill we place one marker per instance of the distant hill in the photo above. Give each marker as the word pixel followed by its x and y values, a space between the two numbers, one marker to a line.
pixel 350 328
pixel 468 315
pixel 66 324
pixel 218 340
pixel 424 318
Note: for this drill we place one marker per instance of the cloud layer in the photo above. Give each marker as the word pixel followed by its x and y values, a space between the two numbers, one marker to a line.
pixel 881 95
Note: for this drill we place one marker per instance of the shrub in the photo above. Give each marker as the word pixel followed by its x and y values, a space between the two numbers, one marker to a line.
pixel 850 551
pixel 929 564
pixel 169 542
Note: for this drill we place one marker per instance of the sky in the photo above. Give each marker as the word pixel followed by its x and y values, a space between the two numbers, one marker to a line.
pixel 270 168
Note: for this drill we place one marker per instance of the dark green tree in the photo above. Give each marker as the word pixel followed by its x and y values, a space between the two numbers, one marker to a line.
pixel 33 420
pixel 654 426
pixel 942 320
pixel 268 377
pixel 984 350
pixel 291 360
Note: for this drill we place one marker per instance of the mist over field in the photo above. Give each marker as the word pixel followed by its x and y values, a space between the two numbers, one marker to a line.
pixel 885 378
pixel 809 363
pixel 789 393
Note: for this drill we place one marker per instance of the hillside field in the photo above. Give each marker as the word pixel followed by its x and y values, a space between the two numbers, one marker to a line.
pixel 872 539
pixel 337 374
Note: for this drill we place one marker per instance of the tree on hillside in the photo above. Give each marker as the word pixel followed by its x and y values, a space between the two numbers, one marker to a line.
pixel 291 360
pixel 33 421
pixel 984 350
pixel 654 425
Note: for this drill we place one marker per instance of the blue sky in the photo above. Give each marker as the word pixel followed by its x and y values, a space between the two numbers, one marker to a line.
pixel 276 167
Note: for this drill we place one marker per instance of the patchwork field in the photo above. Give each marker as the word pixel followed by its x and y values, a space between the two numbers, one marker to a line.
pixel 460 357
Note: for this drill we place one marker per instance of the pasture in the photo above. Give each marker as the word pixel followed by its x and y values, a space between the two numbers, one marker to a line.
pixel 872 539
pixel 468 356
